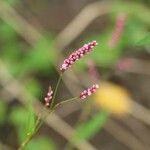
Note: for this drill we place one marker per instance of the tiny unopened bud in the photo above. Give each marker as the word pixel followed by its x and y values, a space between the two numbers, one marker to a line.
pixel 48 97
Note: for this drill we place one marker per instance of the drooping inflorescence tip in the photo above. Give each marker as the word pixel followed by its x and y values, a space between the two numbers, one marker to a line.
pixel 85 49
pixel 89 91
pixel 48 97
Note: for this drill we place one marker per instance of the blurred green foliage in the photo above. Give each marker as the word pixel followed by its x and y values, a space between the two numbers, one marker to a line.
pixel 37 59
pixel 23 120
pixel 89 128
pixel 106 57
pixel 23 60
pixel 11 48
pixel 40 58
pixel 12 2
pixel 41 143
pixel 33 86
pixel 145 41
pixel 2 111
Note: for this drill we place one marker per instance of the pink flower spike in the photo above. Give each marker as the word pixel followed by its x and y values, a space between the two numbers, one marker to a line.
pixel 77 55
pixel 48 98
pixel 89 91
pixel 118 30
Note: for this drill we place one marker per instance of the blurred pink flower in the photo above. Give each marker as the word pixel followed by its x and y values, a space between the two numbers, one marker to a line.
pixel 124 64
pixel 93 72
pixel 118 30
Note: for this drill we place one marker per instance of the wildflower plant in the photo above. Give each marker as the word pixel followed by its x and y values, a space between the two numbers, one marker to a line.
pixel 49 100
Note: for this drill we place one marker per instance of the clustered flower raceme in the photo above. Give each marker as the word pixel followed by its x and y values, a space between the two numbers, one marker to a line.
pixel 89 91
pixel 49 96
pixel 77 55
pixel 68 63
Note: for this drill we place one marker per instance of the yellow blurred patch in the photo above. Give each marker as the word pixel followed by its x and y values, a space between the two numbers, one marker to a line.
pixel 113 98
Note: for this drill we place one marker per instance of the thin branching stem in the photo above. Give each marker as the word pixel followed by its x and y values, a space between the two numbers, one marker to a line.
pixel 63 102
pixel 40 121
pixel 55 91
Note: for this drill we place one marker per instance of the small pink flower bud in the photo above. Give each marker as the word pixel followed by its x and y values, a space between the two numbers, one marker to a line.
pixel 89 91
pixel 93 72
pixel 124 64
pixel 48 97
pixel 77 55
pixel 118 30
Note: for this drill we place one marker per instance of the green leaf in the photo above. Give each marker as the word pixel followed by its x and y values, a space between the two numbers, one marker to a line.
pixel 42 57
pixel 91 127
pixel 7 32
pixel 132 8
pixel 31 120
pixel 41 143
pixel 135 30
pixel 2 111
pixel 12 2
pixel 11 49
pixel 33 86
pixel 144 41
pixel 19 117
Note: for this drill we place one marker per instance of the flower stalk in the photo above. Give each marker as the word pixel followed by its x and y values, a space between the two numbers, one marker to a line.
pixel 55 92
pixel 50 97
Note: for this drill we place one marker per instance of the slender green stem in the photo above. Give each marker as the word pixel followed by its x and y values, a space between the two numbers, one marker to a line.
pixel 55 91
pixel 40 122
pixel 54 108
pixel 26 141
pixel 29 136
pixel 63 102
